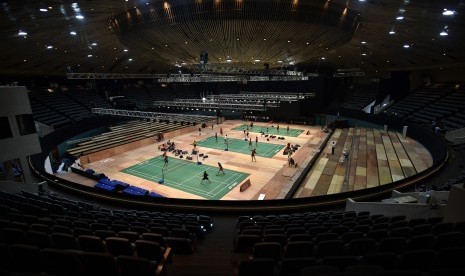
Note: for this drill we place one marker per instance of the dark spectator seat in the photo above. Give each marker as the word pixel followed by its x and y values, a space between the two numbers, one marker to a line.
pixel 267 250
pixel 64 241
pixel 119 246
pixel 130 266
pixel 425 241
pixel 154 238
pixel 25 258
pixel 279 238
pixel 450 239
pixel 149 250
pixel 392 244
pixel 98 264
pixel 292 266
pixel 329 248
pixel 131 236
pixel 39 239
pixel 359 247
pixel 299 249
pixel 384 259
pixel 340 261
pixel 256 267
pixel 300 237
pixel 60 262
pixel 319 270
pixel 245 243
pixel 103 234
pixel 180 245
pixel 417 259
pixel 91 244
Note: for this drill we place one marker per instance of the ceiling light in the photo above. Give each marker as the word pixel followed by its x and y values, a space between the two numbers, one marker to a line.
pixel 288 41
pixel 130 59
pixel 280 61
pixel 323 58
pixel 308 43
pixel 125 50
pixel 43 10
pixel 50 8
pixel 257 60
pixel 363 42
pixel 443 33
pixel 400 17
pixel 391 32
pixel 72 33
pixel 448 12
pixel 406 46
pixel 23 33
pixel 80 17
pixel 89 55
pixel 49 47
pixel 228 60
pixel 364 54
pixel 94 44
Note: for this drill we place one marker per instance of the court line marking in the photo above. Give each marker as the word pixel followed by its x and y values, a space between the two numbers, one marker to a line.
pixel 224 184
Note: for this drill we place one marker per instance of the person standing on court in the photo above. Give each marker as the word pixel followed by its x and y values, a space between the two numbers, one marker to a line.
pixel 205 177
pixel 216 137
pixel 221 130
pixel 287 129
pixel 277 128
pixel 220 168
pixel 250 142
pixel 254 151
pixel 166 159
pixel 256 140
pixel 195 144
pixel 333 147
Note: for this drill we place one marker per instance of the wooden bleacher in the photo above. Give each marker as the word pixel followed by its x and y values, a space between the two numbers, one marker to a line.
pixel 128 136
pixel 377 157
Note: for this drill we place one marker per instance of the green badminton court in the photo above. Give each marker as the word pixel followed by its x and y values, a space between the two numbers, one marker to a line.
pixel 241 146
pixel 186 176
pixel 271 130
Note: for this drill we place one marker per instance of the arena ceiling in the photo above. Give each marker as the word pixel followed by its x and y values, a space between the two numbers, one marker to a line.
pixel 152 36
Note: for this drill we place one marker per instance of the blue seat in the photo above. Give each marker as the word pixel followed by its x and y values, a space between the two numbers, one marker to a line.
pixel 104 187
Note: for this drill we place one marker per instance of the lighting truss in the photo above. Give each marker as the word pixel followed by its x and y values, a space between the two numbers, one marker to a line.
pixel 114 76
pixel 156 116
pixel 185 78
pixel 268 96
pixel 246 105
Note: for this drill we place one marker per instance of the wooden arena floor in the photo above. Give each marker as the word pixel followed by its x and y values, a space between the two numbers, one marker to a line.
pixel 376 158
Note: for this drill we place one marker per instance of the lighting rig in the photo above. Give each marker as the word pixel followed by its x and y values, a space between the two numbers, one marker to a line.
pixel 155 116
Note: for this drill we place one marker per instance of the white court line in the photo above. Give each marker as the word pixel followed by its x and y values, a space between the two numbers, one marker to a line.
pixel 190 188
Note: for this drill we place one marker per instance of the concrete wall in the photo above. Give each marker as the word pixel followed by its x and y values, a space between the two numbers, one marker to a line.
pixel 15 101
pixel 410 210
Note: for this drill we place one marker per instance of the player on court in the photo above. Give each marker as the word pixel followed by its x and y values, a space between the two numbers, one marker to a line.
pixel 166 159
pixel 256 140
pixel 205 177
pixel 250 142
pixel 287 129
pixel 220 168
pixel 216 137
pixel 254 151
